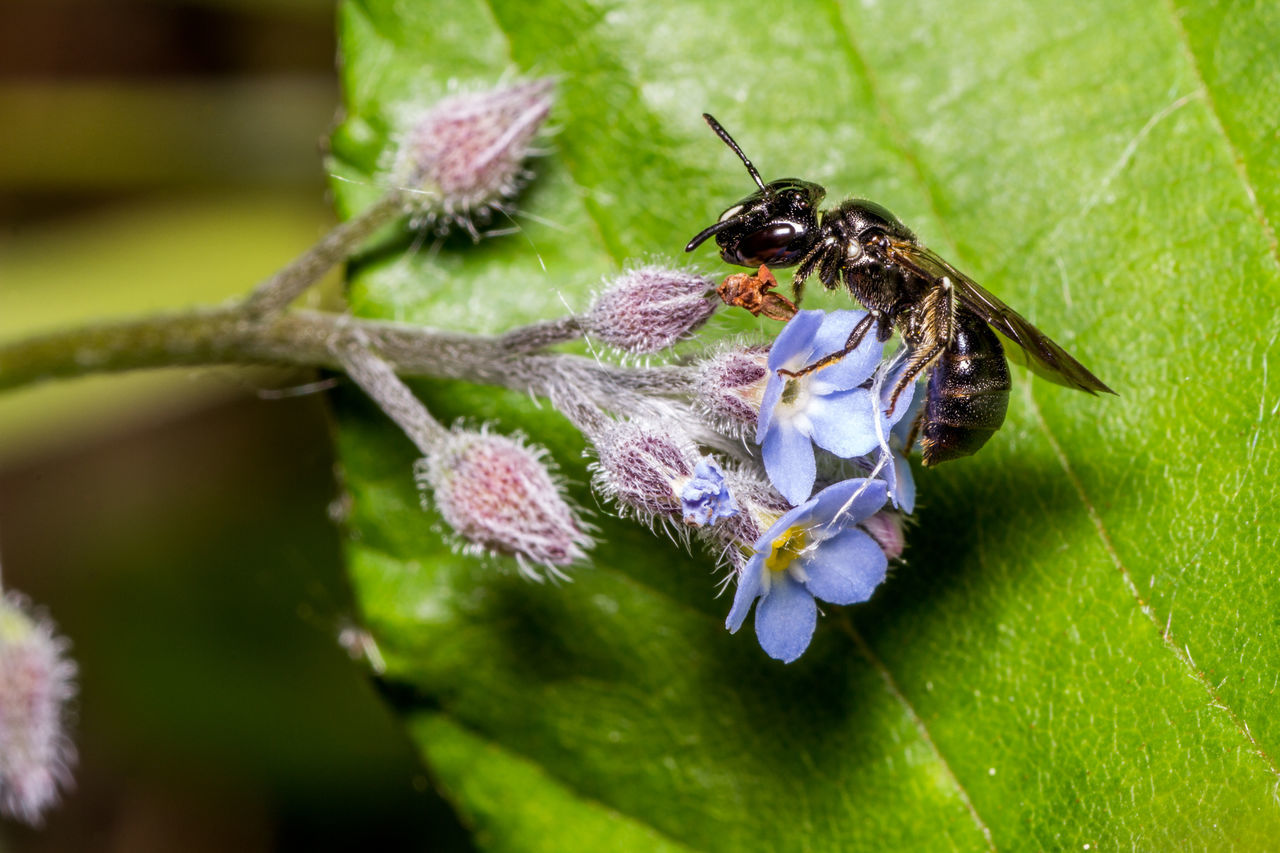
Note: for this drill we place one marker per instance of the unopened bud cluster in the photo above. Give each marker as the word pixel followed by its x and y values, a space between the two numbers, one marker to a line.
pixel 760 505
pixel 650 309
pixel 465 156
pixel 886 528
pixel 36 683
pixel 729 385
pixel 499 496
pixel 642 466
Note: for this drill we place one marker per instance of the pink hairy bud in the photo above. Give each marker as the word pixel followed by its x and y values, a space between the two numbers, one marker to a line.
pixel 644 467
pixel 467 151
pixel 730 386
pixel 36 683
pixel 886 528
pixel 650 308
pixel 499 496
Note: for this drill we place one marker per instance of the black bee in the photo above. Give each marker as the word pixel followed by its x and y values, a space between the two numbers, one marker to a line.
pixel 945 317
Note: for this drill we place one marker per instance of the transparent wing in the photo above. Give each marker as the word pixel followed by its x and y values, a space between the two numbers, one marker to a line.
pixel 1042 355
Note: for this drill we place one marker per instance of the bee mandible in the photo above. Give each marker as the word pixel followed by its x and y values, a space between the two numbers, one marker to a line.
pixel 945 318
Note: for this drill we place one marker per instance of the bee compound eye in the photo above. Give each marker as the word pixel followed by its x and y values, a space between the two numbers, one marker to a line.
pixel 768 243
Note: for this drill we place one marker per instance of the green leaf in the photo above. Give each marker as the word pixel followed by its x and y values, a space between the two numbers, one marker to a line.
pixel 1081 652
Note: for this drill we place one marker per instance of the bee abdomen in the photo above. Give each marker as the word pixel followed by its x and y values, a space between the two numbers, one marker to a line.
pixel 968 393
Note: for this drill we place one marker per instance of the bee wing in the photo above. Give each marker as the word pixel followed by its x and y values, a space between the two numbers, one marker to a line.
pixel 1042 355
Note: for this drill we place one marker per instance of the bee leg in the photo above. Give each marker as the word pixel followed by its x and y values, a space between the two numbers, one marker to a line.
pixel 829 270
pixel 808 264
pixel 934 325
pixel 851 343
pixel 823 259
pixel 884 327
pixel 917 362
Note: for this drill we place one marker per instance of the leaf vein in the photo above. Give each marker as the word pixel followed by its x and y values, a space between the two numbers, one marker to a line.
pixel 891 686
pixel 901 139
pixel 1183 652
pixel 1237 158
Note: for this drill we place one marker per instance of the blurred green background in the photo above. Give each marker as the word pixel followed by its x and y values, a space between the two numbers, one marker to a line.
pixel 160 154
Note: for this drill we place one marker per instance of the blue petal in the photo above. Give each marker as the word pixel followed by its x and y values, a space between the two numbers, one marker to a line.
pixel 769 405
pixel 903 426
pixel 903 405
pixel 789 462
pixel 846 568
pixel 856 367
pixel 708 469
pixel 870 496
pixel 706 498
pixel 903 489
pixel 796 338
pixel 844 422
pixel 836 326
pixel 785 619
pixel 748 591
pixel 849 372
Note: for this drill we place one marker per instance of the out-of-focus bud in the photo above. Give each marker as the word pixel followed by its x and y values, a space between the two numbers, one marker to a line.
pixel 499 496
pixel 466 153
pixel 729 387
pixel 36 683
pixel 655 473
pixel 650 308
pixel 886 528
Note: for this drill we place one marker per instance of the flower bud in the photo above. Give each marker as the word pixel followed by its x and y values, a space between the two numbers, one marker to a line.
pixel 643 466
pixel 498 495
pixel 466 152
pixel 36 682
pixel 650 308
pixel 886 528
pixel 729 387
pixel 654 472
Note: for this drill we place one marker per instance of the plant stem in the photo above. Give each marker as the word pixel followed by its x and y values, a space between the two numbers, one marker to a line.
pixel 376 378
pixel 315 339
pixel 541 335
pixel 275 294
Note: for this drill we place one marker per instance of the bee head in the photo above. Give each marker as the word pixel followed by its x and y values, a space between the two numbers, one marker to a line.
pixel 775 225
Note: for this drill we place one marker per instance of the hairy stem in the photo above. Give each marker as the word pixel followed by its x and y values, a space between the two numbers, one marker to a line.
pixel 275 294
pixel 316 339
pixel 538 336
pixel 376 378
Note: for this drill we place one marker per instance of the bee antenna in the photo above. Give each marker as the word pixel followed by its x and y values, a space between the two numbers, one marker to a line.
pixel 728 140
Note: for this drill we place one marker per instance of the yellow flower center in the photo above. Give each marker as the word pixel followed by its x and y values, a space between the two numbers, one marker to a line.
pixel 786 548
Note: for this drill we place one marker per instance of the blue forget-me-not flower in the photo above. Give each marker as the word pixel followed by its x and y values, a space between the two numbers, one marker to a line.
pixel 706 498
pixel 832 407
pixel 814 551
